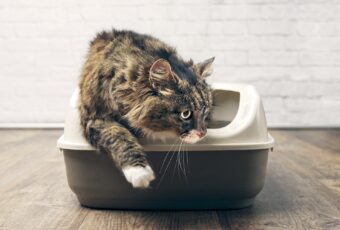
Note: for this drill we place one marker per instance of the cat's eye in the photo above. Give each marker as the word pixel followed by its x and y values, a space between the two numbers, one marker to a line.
pixel 185 114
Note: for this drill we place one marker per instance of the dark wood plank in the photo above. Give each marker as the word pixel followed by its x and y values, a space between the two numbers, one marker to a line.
pixel 318 166
pixel 33 187
pixel 177 220
pixel 302 189
pixel 103 219
pixel 293 198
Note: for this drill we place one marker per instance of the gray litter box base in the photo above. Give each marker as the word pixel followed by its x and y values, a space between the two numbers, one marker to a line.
pixel 215 180
pixel 99 203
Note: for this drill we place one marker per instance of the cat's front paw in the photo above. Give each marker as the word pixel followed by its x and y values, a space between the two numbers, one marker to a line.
pixel 138 176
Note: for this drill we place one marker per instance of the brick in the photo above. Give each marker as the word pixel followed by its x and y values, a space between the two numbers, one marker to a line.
pixel 222 12
pixel 94 14
pixel 29 3
pixel 3 45
pixel 253 12
pixel 251 74
pixel 30 14
pixel 269 89
pixel 222 42
pixel 323 44
pixel 317 12
pixel 299 76
pixel 329 29
pixel 227 28
pixel 295 43
pixel 20 45
pixel 187 28
pixel 302 104
pixel 290 50
pixel 6 30
pixel 274 11
pixel 80 44
pixel 59 44
pixel 324 74
pixel 310 89
pixel 11 58
pixel 158 29
pixel 313 43
pixel 156 12
pixel 288 88
pixel 270 27
pixel 195 12
pixel 310 104
pixel 25 30
pixel 192 43
pixel 273 104
pixel 163 12
pixel 331 104
pixel 272 43
pixel 273 58
pixel 65 59
pixel 319 59
pixel 307 28
pixel 235 58
pixel 323 89
pixel 5 14
pixel 266 1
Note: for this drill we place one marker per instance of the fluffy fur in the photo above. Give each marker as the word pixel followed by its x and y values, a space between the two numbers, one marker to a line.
pixel 134 85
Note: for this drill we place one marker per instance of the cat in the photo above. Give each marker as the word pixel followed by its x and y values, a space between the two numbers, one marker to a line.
pixel 134 85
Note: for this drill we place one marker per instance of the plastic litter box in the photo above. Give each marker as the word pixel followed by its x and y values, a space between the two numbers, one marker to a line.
pixel 226 170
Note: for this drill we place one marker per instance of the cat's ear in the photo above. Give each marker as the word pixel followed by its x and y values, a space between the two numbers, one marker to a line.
pixel 204 69
pixel 161 77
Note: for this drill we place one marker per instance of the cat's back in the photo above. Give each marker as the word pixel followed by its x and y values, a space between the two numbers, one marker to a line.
pixel 117 67
pixel 130 44
pixel 123 56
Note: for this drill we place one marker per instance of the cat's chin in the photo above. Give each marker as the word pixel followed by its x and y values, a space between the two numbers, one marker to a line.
pixel 193 137
pixel 191 140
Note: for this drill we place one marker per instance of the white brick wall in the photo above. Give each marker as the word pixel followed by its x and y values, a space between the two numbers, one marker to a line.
pixel 290 50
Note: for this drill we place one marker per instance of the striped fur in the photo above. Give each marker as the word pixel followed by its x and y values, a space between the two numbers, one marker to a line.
pixel 133 85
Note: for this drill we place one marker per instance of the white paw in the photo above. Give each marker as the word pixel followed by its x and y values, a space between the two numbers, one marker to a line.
pixel 139 177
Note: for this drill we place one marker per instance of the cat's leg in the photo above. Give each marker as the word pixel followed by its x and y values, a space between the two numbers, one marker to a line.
pixel 124 149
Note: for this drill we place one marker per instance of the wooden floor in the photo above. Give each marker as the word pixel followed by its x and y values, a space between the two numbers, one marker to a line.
pixel 302 189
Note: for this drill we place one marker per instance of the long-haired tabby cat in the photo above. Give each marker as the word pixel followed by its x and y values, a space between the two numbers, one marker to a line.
pixel 134 85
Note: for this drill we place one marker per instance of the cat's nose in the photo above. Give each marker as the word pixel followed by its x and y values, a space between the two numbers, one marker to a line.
pixel 200 134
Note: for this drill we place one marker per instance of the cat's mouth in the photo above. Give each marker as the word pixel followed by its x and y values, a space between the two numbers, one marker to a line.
pixel 193 136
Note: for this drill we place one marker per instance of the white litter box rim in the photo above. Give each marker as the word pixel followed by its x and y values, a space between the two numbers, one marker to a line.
pixel 247 131
pixel 63 144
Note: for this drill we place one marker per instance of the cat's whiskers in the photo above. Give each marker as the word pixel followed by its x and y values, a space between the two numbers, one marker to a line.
pixel 179 158
pixel 187 158
pixel 183 160
pixel 166 168
pixel 176 165
pixel 166 155
pixel 183 163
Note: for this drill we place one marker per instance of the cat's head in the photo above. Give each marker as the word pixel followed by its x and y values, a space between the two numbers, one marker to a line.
pixel 186 99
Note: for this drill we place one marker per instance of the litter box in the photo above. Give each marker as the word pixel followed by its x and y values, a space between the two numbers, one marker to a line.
pixel 226 170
